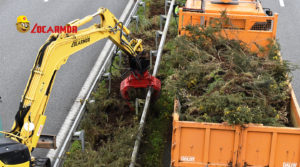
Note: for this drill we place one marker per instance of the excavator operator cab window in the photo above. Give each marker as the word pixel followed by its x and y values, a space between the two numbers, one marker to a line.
pixel 12 152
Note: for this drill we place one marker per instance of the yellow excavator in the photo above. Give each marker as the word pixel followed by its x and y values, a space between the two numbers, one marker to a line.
pixel 17 145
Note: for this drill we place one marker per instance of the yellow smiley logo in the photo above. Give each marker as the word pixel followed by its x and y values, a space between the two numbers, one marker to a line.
pixel 23 25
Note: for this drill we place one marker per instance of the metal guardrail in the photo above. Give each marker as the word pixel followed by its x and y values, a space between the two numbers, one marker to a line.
pixel 148 97
pixel 55 156
pixel 57 159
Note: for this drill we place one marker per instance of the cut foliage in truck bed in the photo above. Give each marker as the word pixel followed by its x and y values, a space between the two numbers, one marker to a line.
pixel 220 80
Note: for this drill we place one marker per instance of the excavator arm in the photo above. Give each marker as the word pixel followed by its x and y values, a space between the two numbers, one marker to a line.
pixel 30 118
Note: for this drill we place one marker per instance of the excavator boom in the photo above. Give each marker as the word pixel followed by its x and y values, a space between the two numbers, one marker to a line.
pixel 30 118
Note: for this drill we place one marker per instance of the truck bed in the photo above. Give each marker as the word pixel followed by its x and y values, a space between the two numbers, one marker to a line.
pixel 196 144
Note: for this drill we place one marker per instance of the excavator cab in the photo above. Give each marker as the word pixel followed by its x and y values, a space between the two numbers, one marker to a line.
pixel 13 153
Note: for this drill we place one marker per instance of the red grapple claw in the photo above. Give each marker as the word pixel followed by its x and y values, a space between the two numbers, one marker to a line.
pixel 140 81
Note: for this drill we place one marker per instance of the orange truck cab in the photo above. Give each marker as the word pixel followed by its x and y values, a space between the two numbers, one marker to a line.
pixel 248 20
pixel 202 144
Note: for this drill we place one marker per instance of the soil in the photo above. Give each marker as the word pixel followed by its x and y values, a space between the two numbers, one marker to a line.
pixel 115 113
pixel 148 41
pixel 156 8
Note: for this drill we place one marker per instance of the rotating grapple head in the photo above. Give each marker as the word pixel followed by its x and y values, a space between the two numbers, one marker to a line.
pixel 136 84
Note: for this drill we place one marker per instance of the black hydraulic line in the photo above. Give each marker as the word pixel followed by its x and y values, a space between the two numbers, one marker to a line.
pixel 134 61
pixel 42 51
pixel 131 55
pixel 22 111
pixel 50 84
pixel 39 58
pixel 19 117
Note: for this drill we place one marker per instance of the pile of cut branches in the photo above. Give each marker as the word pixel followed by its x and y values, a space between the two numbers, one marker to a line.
pixel 221 80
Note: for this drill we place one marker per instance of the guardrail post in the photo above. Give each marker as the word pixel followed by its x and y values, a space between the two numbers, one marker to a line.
pixel 167 3
pixel 108 77
pixel 152 53
pixel 161 19
pixel 136 18
pixel 144 5
pixel 138 102
pixel 91 101
pixel 79 135
pixel 158 34
pixel 119 53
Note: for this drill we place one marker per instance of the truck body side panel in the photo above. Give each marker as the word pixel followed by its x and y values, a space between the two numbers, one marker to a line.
pixel 197 144
pixel 269 146
pixel 212 144
pixel 295 109
pixel 250 29
pixel 204 143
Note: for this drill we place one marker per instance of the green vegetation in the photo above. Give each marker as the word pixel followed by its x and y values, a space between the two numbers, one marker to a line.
pixel 220 80
pixel 157 133
pixel 159 119
pixel 110 127
pixel 215 79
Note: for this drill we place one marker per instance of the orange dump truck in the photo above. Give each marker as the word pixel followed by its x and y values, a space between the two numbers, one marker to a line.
pixel 249 21
pixel 196 144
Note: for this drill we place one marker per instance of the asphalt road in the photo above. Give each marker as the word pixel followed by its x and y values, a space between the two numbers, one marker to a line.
pixel 18 52
pixel 288 33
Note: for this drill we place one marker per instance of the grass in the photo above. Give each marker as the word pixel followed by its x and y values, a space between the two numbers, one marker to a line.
pixel 157 133
pixel 110 133
pixel 110 128
pixel 114 152
pixel 154 149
